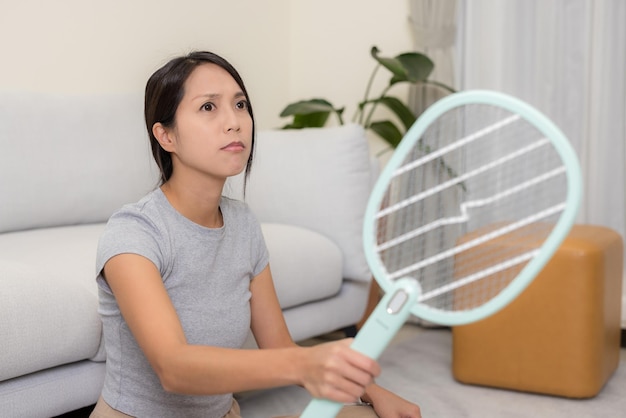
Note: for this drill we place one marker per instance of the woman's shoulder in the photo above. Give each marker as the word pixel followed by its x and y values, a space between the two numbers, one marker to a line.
pixel 142 213
pixel 135 228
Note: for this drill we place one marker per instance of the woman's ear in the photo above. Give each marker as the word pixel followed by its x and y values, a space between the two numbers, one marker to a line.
pixel 164 136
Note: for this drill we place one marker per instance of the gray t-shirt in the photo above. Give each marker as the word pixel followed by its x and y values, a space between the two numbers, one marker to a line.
pixel 207 274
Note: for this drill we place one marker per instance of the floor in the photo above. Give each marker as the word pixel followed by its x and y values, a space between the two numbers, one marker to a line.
pixel 79 413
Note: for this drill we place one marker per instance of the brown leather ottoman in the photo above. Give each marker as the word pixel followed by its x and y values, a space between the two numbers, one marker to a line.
pixel 561 336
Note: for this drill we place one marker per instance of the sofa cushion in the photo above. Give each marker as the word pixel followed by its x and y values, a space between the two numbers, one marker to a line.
pixel 70 159
pixel 306 266
pixel 319 179
pixel 48 298
pixel 69 251
pixel 47 320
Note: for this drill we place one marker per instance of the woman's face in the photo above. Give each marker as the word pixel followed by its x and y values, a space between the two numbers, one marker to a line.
pixel 212 134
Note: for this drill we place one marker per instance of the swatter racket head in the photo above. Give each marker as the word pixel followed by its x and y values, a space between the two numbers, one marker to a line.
pixel 476 199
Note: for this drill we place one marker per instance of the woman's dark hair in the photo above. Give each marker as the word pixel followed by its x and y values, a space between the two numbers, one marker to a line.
pixel 165 90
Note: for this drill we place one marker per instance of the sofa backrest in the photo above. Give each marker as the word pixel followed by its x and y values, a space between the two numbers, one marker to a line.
pixel 68 160
pixel 75 159
pixel 317 178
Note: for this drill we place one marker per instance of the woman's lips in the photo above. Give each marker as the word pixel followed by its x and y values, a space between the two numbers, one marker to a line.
pixel 234 146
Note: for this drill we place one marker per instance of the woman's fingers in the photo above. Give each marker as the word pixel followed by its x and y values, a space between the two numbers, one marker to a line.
pixel 339 373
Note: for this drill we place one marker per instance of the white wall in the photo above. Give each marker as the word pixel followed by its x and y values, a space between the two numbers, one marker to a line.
pixel 285 50
pixel 331 42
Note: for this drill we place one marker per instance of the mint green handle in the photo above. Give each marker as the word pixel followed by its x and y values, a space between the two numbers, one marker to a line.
pixel 386 319
pixel 321 408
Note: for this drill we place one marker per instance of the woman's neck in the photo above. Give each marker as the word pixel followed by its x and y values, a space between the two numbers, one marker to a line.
pixel 200 203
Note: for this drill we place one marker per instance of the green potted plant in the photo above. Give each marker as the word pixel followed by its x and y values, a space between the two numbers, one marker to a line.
pixel 408 67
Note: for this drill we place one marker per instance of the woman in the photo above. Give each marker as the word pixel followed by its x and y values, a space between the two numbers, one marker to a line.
pixel 184 273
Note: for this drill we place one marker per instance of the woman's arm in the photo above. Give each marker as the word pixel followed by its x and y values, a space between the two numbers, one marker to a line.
pixel 267 320
pixel 194 369
pixel 388 404
pixel 331 370
pixel 270 330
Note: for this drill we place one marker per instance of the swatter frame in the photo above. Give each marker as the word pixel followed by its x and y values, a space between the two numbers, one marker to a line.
pixel 532 268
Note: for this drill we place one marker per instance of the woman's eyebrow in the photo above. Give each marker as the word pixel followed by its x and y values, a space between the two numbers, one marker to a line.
pixel 213 96
pixel 210 96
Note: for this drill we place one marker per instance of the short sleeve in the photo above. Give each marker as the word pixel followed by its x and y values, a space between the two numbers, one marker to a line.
pixel 129 231
pixel 260 253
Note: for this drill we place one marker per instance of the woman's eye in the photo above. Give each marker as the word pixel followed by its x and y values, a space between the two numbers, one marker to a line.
pixel 242 104
pixel 208 107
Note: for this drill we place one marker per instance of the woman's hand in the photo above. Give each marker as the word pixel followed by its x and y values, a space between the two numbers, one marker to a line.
pixel 335 371
pixel 389 405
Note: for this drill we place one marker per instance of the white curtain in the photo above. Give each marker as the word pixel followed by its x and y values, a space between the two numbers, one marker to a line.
pixel 568 59
pixel 433 24
pixel 565 57
pixel 434 27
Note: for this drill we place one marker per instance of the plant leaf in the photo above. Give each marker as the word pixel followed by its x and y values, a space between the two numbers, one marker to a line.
pixel 401 110
pixel 417 66
pixel 392 64
pixel 308 120
pixel 409 67
pixel 387 131
pixel 304 107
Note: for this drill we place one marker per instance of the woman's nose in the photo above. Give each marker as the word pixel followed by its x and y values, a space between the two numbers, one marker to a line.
pixel 232 122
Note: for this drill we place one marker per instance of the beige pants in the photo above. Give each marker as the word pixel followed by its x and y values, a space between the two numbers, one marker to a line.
pixel 103 410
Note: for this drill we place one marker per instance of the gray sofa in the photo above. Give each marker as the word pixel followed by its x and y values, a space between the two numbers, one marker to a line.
pixel 67 162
